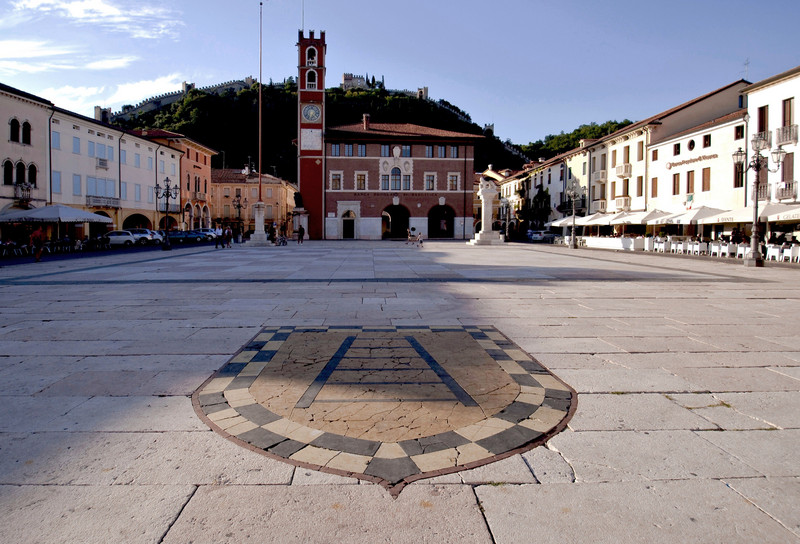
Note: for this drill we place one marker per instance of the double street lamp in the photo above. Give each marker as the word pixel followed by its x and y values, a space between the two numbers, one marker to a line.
pixel 238 203
pixel 759 162
pixel 574 192
pixel 166 192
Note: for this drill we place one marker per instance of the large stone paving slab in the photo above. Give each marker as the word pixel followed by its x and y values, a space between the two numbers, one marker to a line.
pixel 387 404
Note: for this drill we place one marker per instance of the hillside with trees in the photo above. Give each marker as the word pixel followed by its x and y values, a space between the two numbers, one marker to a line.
pixel 228 123
pixel 555 144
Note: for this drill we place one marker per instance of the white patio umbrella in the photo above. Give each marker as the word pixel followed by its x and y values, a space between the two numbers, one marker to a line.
pixel 563 222
pixel 792 214
pixel 745 215
pixel 57 213
pixel 637 218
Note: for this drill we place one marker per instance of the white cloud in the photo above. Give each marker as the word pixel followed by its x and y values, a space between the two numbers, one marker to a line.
pixel 135 92
pixel 111 63
pixel 139 21
pixel 35 56
pixel 29 49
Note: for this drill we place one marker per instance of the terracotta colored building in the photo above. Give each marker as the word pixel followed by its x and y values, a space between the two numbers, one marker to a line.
pixel 195 175
pixel 377 180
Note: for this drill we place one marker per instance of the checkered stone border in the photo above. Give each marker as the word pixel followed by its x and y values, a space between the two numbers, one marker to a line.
pixel 542 409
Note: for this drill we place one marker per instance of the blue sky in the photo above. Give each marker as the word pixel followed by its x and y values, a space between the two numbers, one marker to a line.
pixel 530 67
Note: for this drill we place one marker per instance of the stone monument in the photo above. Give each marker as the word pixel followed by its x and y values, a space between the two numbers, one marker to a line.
pixel 487 236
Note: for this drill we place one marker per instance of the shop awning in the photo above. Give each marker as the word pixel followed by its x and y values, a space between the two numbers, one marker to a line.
pixel 686 218
pixel 637 218
pixel 745 215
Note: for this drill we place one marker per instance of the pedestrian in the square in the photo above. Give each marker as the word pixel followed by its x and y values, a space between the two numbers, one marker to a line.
pixel 228 237
pixel 218 237
pixel 37 243
pixel 301 232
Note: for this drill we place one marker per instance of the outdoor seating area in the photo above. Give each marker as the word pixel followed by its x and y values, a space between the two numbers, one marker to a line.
pixel 684 245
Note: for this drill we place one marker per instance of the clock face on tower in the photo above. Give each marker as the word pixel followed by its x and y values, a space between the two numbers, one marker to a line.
pixel 311 113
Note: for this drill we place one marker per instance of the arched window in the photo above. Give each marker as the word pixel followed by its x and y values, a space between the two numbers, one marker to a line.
pixel 311 56
pixel 395 179
pixel 188 181
pixel 311 79
pixel 13 130
pixel 32 175
pixel 26 133
pixel 8 173
pixel 20 180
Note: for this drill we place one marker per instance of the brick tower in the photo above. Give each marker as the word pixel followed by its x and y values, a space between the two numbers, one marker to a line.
pixel 310 126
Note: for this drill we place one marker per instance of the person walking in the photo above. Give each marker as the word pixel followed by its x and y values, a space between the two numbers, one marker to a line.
pixel 37 243
pixel 301 232
pixel 217 237
pixel 228 237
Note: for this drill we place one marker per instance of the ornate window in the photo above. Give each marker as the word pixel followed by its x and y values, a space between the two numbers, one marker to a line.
pixel 26 133
pixel 13 130
pixel 311 79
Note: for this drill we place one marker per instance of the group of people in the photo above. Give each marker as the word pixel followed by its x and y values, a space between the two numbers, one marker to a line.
pixel 413 238
pixel 223 238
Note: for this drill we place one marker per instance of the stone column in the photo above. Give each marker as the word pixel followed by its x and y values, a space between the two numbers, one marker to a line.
pixel 486 236
pixel 259 236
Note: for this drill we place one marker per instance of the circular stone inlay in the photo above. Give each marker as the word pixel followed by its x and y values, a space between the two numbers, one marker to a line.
pixel 387 404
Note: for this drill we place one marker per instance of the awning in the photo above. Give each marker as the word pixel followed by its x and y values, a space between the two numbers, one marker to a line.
pixel 745 215
pixel 790 215
pixel 563 222
pixel 57 213
pixel 594 219
pixel 637 218
pixel 686 218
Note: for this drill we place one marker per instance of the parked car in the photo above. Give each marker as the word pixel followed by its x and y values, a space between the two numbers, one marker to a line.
pixel 120 238
pixel 203 233
pixel 208 232
pixel 157 237
pixel 142 236
pixel 541 236
pixel 185 236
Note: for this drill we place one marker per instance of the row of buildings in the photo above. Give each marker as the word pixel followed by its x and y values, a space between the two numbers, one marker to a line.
pixel 54 156
pixel 677 161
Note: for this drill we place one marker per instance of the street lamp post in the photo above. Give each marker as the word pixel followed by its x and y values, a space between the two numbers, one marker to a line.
pixel 574 192
pixel 167 192
pixel 760 142
pixel 238 203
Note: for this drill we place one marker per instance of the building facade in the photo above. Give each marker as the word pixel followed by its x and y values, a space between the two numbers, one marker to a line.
pixel 24 156
pixel 376 180
pixel 194 176
pixel 233 193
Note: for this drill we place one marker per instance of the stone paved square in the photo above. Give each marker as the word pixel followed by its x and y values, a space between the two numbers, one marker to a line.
pixel 686 370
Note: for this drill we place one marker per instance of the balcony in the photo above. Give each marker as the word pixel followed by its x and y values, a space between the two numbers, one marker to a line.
pixel 566 204
pixel 102 201
pixel 102 164
pixel 763 191
pixel 22 193
pixel 786 190
pixel 198 196
pixel 623 203
pixel 786 135
pixel 624 170
pixel 599 205
pixel 764 140
pixel 173 208
pixel 600 176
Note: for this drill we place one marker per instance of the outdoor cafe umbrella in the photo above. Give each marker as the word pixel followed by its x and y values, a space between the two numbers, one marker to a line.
pixel 57 213
pixel 745 215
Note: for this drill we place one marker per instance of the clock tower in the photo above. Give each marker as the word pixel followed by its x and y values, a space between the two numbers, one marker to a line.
pixel 310 126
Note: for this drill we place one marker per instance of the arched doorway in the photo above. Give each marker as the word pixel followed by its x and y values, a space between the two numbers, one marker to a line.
pixel 136 221
pixel 99 229
pixel 441 222
pixel 349 225
pixel 173 223
pixel 395 222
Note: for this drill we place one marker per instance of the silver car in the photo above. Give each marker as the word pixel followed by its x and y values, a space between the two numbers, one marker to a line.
pixel 120 238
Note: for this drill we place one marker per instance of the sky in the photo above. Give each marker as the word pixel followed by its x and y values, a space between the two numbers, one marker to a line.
pixel 529 67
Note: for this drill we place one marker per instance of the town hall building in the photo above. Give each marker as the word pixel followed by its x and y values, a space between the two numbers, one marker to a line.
pixel 372 180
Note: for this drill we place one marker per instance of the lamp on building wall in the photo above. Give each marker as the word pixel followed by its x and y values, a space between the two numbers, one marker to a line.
pixel 759 162
pixel 166 192
pixel 574 192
